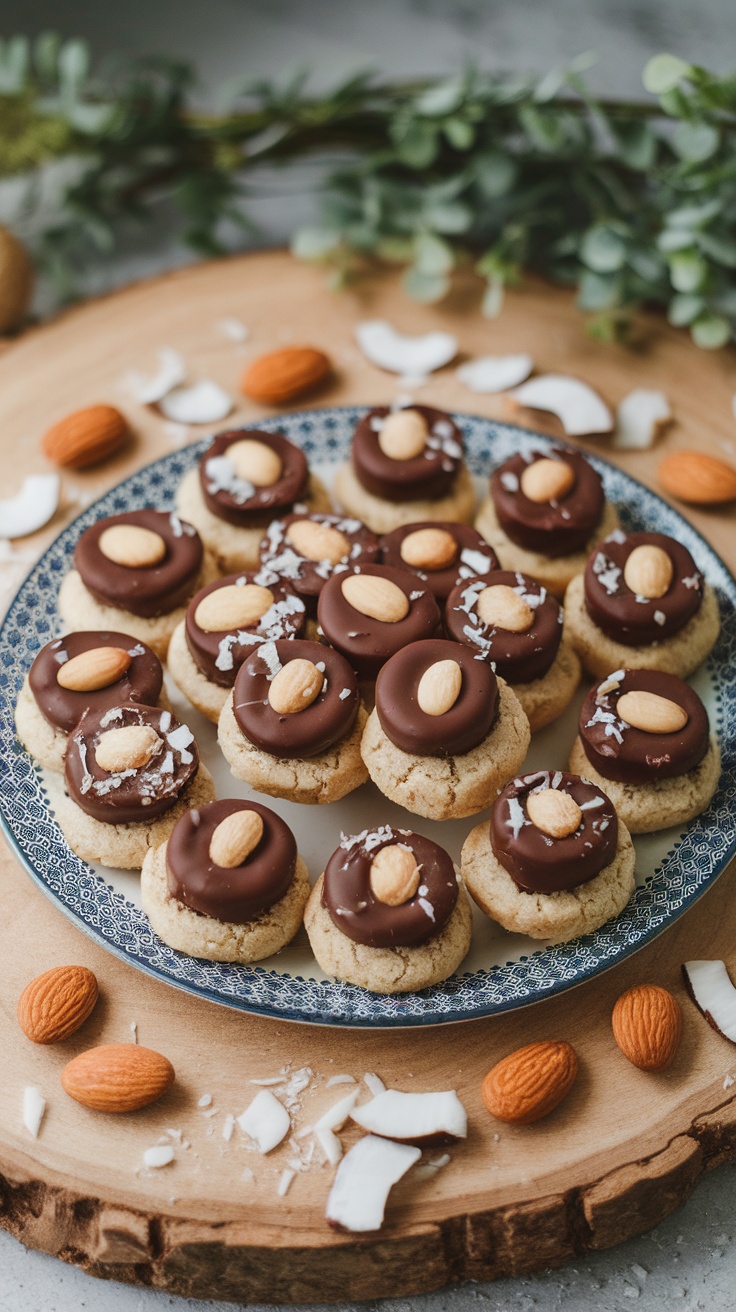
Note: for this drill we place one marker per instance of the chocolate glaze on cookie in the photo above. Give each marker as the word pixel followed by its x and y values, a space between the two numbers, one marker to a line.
pixel 235 895
pixel 357 913
pixel 619 612
pixel 621 752
pixel 300 734
pixel 551 528
pixel 367 643
pixel 220 654
pixel 155 589
pixel 518 657
pixel 62 707
pixel 425 477
pixel 473 557
pixel 538 863
pixel 135 796
pixel 235 499
pixel 308 577
pixel 458 730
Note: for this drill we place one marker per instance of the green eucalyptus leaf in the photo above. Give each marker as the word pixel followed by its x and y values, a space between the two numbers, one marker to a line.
pixel 598 291
pixel 695 142
pixel 424 286
pixel 46 55
pixel 442 99
pixel 73 64
pixel 603 248
pixel 684 308
pixel 711 331
pixel 432 256
pixel 664 72
pixel 495 173
pixel 449 217
pixel 313 243
pixel 459 133
pixel 492 302
pixel 418 145
pixel 688 271
pixel 636 144
pixel 720 249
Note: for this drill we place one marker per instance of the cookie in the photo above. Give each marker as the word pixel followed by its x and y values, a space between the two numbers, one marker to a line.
pixel 645 738
pixel 305 551
pixel 129 775
pixel 544 700
pixel 383 516
pixel 543 510
pixel 389 914
pixel 371 613
pixel 223 624
pixel 555 862
pixel 78 672
pixel 228 884
pixel 445 734
pixel 244 480
pixel 292 726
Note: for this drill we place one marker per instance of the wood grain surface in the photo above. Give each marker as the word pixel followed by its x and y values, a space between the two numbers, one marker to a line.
pixel 624 1150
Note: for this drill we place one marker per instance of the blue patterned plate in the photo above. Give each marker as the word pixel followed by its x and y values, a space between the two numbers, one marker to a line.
pixel 503 971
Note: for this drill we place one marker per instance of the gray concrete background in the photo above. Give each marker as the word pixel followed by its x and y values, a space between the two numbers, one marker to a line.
pixel 689 1262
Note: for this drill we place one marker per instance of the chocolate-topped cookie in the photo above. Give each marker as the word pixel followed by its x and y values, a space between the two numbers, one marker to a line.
pixel 555 860
pixel 641 603
pixel 306 550
pixel 292 725
pixel 445 733
pixel 228 885
pixel 644 735
pixel 544 511
pixel 439 554
pixel 406 464
pixel 370 613
pixel 388 913
pixel 134 573
pixel 129 774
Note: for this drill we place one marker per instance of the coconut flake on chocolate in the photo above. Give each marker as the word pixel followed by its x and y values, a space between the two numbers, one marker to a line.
pixel 712 991
pixel 364 1179
pixel 579 408
pixel 399 353
pixel 204 402
pixel 424 1119
pixel 266 1121
pixel 494 373
pixel 32 506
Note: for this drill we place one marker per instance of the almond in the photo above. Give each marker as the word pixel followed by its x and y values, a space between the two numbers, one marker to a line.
pixel 439 687
pixel 647 1026
pixel 376 597
pixel 316 541
pixel 500 607
pixel 55 1004
pixel 256 462
pixel 529 1083
pixel 132 546
pixel 648 571
pixel 235 838
pixel 557 814
pixel 403 434
pixel 127 748
pixel 117 1077
pixel 698 478
pixel 547 480
pixel 428 548
pixel 85 436
pixel 295 686
pixel 232 607
pixel 285 374
pixel 94 669
pixel 650 712
pixel 394 875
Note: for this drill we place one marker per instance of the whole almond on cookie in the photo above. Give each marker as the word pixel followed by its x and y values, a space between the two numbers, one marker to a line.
pixel 428 548
pixel 232 607
pixel 283 375
pixel 117 1077
pixel 648 571
pixel 55 1004
pixel 132 546
pixel 394 875
pixel 697 478
pixel 439 687
pixel 85 436
pixel 375 597
pixel 529 1083
pixel 647 1026
pixel 403 435
pixel 94 669
pixel 556 813
pixel 316 541
pixel 255 461
pixel 295 686
pixel 547 480
pixel 235 838
pixel 127 748
pixel 650 712
pixel 501 607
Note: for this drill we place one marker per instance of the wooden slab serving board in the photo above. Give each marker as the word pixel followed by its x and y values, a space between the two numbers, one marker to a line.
pixel 624 1149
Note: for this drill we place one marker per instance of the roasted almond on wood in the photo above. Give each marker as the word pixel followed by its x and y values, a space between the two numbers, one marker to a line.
pixel 117 1077
pixel 55 1004
pixel 529 1083
pixel 285 374
pixel 85 436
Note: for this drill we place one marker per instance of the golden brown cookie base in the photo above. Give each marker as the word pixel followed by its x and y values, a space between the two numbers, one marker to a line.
pixel 218 940
pixel 556 917
pixel 554 573
pixel 383 516
pixel 644 808
pixel 680 654
pixel 40 739
pixel 79 610
pixel 544 700
pixel 314 781
pixel 207 697
pixel 443 789
pixel 234 548
pixel 387 970
pixel 124 846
